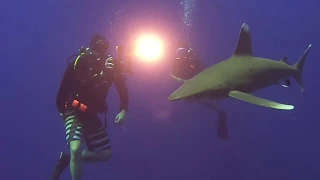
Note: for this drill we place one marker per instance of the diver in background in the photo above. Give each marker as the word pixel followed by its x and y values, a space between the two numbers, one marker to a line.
pixel 81 97
pixel 187 63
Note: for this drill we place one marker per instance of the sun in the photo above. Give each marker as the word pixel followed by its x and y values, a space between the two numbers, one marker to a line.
pixel 149 47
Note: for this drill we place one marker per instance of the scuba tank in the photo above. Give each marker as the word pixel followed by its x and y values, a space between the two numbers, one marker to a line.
pixel 119 53
pixel 81 50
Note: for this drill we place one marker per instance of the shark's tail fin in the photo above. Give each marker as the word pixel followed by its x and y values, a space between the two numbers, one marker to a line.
pixel 299 67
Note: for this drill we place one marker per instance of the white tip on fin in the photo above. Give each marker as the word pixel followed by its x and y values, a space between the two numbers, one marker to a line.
pixel 259 101
pixel 244 42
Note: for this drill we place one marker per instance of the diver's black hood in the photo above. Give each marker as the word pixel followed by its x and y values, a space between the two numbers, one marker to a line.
pixel 99 43
pixel 95 38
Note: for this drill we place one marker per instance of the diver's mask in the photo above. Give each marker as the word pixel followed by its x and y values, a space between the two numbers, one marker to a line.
pixel 100 47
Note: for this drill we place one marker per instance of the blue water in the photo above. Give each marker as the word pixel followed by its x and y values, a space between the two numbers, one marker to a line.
pixel 161 139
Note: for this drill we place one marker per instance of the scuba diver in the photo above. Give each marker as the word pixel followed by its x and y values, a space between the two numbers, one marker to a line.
pixel 81 97
pixel 187 64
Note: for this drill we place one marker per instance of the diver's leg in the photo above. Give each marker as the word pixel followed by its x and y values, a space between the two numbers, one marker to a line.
pixel 75 160
pixel 96 156
pixel 73 130
pixel 222 127
pixel 97 141
pixel 74 137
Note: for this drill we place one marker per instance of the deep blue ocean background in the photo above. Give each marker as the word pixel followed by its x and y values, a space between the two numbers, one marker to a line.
pixel 161 139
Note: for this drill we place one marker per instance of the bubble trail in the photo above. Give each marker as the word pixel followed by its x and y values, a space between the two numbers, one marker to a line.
pixel 114 25
pixel 187 17
pixel 188 7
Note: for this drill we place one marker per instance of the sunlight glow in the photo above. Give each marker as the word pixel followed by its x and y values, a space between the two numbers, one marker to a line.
pixel 149 48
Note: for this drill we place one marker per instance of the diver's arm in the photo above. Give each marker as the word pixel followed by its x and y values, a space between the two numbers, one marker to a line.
pixel 123 91
pixel 82 69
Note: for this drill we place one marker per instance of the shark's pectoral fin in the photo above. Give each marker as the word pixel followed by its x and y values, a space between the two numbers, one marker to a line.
pixel 259 101
pixel 244 42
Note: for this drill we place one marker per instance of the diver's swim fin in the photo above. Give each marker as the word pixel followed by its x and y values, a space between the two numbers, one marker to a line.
pixel 259 101
pixel 62 163
pixel 222 128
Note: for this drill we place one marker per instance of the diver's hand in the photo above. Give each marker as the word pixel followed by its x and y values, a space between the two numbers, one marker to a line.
pixel 120 117
pixel 109 63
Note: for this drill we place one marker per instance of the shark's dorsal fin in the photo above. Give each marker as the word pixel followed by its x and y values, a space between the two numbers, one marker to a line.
pixel 284 60
pixel 244 42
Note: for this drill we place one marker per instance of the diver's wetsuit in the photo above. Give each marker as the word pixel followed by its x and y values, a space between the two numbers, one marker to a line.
pixel 186 66
pixel 79 82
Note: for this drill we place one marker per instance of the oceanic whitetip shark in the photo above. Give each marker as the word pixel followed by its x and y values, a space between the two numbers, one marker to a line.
pixel 241 75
